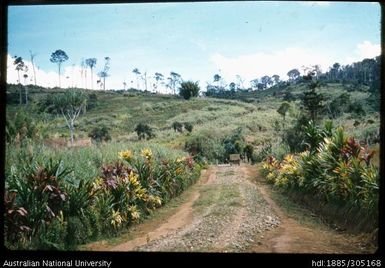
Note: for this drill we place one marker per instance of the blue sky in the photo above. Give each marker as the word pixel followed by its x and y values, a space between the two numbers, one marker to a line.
pixel 196 40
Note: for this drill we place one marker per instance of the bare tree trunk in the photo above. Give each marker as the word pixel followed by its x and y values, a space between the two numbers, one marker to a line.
pixel 104 83
pixel 92 80
pixel 18 76
pixel 33 66
pixel 145 80
pixel 26 95
pixel 59 75
pixel 137 82
pixel 72 132
pixel 20 98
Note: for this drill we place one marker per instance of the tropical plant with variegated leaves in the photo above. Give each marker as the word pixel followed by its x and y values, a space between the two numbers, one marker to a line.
pixel 340 169
pixel 40 194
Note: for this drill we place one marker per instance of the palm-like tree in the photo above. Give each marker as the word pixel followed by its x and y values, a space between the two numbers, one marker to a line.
pixel 19 66
pixel 91 62
pixel 158 77
pixel 137 73
pixel 58 57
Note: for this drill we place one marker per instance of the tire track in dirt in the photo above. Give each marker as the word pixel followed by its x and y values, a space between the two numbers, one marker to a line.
pixel 228 222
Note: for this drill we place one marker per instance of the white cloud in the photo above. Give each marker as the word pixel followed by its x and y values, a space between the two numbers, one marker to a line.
pixel 44 78
pixel 368 50
pixel 259 64
pixel 72 77
pixel 48 79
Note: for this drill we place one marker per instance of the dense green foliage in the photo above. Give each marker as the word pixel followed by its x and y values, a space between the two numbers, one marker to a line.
pixel 188 126
pixel 143 131
pixel 177 126
pixel 100 133
pixel 189 89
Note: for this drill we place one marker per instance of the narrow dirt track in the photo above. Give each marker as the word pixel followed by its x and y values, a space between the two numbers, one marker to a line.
pixel 230 210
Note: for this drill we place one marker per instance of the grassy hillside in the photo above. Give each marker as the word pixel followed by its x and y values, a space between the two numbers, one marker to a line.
pixel 258 117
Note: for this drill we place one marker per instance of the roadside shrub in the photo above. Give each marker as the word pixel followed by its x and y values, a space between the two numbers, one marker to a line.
pixel 294 137
pixel 48 208
pixel 263 151
pixel 39 196
pixel 234 144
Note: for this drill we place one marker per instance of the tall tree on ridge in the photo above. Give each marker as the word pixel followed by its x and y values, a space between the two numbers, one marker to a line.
pixel 58 57
pixel 174 80
pixel 33 64
pixel 158 77
pixel 240 82
pixel 91 62
pixel 104 73
pixel 19 66
pixel 137 73
pixel 275 79
pixel 293 75
pixel 25 84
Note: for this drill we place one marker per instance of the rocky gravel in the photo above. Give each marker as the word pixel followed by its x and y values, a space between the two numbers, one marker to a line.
pixel 230 216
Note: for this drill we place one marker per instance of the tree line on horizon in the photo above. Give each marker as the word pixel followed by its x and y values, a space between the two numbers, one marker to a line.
pixel 366 72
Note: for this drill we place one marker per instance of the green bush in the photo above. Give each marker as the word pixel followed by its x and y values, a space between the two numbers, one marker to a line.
pixel 339 105
pixel 177 126
pixel 100 133
pixel 357 109
pixel 21 126
pixel 234 144
pixel 143 131
pixel 263 151
pixel 204 148
pixel 294 137
pixel 188 126
pixel 189 89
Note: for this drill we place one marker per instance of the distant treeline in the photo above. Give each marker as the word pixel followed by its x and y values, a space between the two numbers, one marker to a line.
pixel 366 72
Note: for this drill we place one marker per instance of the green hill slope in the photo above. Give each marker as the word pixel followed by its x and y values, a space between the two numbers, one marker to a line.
pixel 257 117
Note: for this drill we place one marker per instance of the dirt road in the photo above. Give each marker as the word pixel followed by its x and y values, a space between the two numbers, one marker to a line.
pixel 231 210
